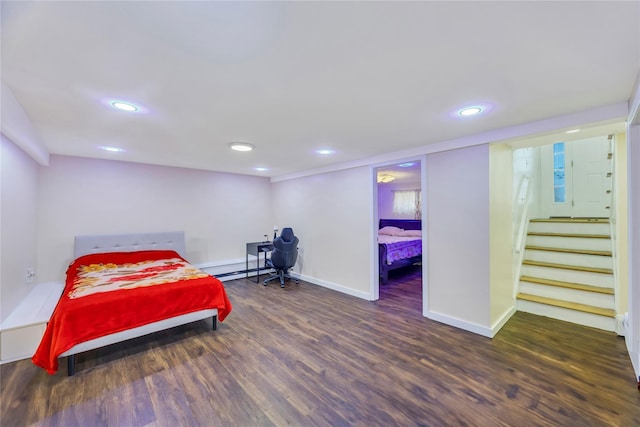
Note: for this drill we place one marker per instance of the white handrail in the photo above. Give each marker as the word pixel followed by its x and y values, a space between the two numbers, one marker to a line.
pixel 524 196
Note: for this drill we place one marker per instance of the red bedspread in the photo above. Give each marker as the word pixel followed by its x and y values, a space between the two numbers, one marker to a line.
pixel 77 319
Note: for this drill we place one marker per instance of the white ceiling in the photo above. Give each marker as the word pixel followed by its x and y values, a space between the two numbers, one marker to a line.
pixel 362 78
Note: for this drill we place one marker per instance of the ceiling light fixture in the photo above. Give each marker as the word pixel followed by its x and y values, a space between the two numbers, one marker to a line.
pixel 406 165
pixel 469 111
pixel 112 149
pixel 385 178
pixel 325 151
pixel 573 131
pixel 241 146
pixel 259 169
pixel 124 106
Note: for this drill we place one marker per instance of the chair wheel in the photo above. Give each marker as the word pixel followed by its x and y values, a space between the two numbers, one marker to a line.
pixel 282 286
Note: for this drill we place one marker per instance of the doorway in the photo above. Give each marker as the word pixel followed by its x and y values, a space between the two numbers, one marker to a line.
pixel 576 180
pixel 398 196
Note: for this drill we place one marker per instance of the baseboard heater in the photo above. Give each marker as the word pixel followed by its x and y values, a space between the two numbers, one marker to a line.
pixel 233 273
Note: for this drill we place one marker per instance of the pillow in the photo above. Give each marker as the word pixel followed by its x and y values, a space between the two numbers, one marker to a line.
pixel 390 230
pixel 410 233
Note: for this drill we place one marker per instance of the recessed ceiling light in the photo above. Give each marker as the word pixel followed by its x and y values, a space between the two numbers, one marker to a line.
pixel 469 111
pixel 241 146
pixel 573 131
pixel 325 151
pixel 406 165
pixel 261 169
pixel 112 149
pixel 124 106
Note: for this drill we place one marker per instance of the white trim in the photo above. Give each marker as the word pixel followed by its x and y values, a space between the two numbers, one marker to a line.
pixel 634 102
pixel 335 287
pixel 503 320
pixel 461 324
pixel 622 323
pixel 374 218
pixel 632 338
pixel 632 327
pixel 425 231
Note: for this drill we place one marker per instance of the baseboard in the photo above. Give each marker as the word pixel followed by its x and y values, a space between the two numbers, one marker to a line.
pixel 236 269
pixel 502 321
pixel 622 324
pixel 460 324
pixel 334 286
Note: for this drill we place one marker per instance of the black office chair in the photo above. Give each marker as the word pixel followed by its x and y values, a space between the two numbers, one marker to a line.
pixel 283 256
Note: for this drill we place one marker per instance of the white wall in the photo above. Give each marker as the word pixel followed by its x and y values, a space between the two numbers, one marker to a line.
pixel 633 193
pixel 501 235
pixel 331 215
pixel 458 237
pixel 385 200
pixel 19 195
pixel 18 128
pixel 620 224
pixel 219 212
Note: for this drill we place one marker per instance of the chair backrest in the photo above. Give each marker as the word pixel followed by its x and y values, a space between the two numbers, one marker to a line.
pixel 285 249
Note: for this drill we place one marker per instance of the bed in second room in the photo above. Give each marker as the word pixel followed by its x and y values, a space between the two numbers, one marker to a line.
pixel 399 245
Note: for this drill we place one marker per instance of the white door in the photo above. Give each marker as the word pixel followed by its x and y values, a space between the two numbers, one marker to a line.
pixel 576 178
pixel 592 180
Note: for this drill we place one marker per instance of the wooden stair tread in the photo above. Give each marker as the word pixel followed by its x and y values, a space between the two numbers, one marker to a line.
pixel 587 236
pixel 569 285
pixel 568 267
pixel 568 305
pixel 571 251
pixel 573 220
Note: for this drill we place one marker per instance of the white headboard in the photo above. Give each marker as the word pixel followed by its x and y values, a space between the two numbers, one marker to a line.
pixel 92 244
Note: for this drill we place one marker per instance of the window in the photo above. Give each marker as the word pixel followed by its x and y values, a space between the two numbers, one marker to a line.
pixel 559 169
pixel 407 203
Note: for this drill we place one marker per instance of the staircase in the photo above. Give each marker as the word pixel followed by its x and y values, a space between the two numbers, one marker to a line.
pixel 567 272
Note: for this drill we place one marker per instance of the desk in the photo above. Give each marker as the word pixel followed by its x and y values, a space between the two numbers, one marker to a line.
pixel 255 249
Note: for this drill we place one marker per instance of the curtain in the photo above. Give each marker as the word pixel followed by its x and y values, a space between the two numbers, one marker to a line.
pixel 407 203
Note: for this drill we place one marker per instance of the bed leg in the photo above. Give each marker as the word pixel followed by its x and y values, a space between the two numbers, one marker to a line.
pixel 71 365
pixel 214 322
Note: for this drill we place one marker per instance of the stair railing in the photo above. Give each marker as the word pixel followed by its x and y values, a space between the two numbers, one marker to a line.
pixel 522 202
pixel 524 197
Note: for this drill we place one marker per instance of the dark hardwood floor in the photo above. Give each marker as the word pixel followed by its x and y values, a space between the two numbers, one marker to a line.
pixel 308 356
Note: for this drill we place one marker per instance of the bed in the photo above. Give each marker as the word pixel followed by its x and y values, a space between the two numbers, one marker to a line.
pixel 121 287
pixel 399 245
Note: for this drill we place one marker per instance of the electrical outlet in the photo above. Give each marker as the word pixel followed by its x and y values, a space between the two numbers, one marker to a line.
pixel 30 275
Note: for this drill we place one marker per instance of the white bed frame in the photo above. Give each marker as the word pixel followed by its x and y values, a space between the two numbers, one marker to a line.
pixel 92 244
